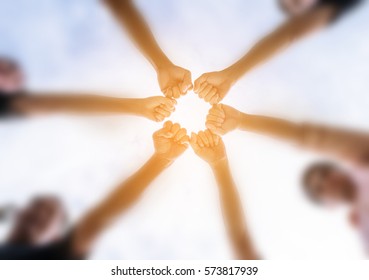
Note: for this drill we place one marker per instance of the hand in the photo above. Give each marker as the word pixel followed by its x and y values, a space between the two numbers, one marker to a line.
pixel 222 119
pixel 208 146
pixel 157 108
pixel 170 141
pixel 174 81
pixel 213 86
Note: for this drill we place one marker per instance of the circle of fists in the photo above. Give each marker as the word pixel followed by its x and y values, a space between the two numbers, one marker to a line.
pixel 172 140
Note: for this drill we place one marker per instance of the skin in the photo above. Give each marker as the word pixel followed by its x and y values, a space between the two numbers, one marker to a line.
pixel 332 187
pixel 11 77
pixel 210 148
pixel 156 108
pixel 296 7
pixel 345 145
pixel 174 81
pixel 214 86
pixel 170 142
pixel 42 221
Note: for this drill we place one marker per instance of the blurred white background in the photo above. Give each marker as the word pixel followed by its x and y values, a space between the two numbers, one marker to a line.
pixel 76 45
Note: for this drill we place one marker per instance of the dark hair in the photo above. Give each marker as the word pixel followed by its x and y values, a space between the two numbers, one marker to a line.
pixel 58 201
pixel 11 62
pixel 282 7
pixel 341 6
pixel 315 168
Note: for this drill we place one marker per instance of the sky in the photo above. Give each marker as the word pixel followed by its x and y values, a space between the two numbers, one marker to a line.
pixel 77 46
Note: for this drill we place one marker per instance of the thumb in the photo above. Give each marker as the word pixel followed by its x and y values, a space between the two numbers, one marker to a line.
pixel 187 83
pixel 193 142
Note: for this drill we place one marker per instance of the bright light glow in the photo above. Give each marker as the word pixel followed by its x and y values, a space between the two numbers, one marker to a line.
pixel 191 112
pixel 76 45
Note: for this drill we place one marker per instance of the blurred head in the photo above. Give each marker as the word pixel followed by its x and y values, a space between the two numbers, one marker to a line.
pixel 11 76
pixel 42 221
pixel 297 7
pixel 327 184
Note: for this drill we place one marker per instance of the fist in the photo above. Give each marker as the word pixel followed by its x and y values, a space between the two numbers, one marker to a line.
pixel 158 108
pixel 208 146
pixel 170 141
pixel 213 86
pixel 174 81
pixel 222 119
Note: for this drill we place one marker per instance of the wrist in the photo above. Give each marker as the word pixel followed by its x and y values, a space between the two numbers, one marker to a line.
pixel 162 160
pixel 243 120
pixel 135 106
pixel 233 74
pixel 163 63
pixel 239 118
pixel 219 164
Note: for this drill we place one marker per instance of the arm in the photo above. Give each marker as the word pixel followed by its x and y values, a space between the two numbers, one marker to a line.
pixel 214 86
pixel 170 142
pixel 345 144
pixel 154 108
pixel 211 148
pixel 174 81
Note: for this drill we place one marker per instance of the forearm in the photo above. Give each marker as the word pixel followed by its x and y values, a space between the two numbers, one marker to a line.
pixel 233 212
pixel 119 201
pixel 126 194
pixel 260 53
pixel 130 18
pixel 274 127
pixel 284 36
pixel 341 143
pixel 79 104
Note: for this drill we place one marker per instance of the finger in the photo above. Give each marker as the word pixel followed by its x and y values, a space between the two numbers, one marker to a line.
pixel 184 140
pixel 166 128
pixel 166 108
pixel 200 142
pixel 175 128
pixel 214 99
pixel 203 86
pixel 205 91
pixel 199 82
pixel 211 126
pixel 182 132
pixel 216 125
pixel 168 125
pixel 165 131
pixel 215 119
pixel 210 94
pixel 159 117
pixel 176 92
pixel 169 102
pixel 187 83
pixel 203 138
pixel 216 139
pixel 185 145
pixel 162 111
pixel 209 135
pixel 215 111
pixel 193 142
pixel 215 129
pixel 169 93
pixel 180 86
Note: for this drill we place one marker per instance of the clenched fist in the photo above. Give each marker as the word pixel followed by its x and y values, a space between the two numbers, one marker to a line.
pixel 171 141
pixel 222 119
pixel 213 86
pixel 174 81
pixel 157 108
pixel 208 146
